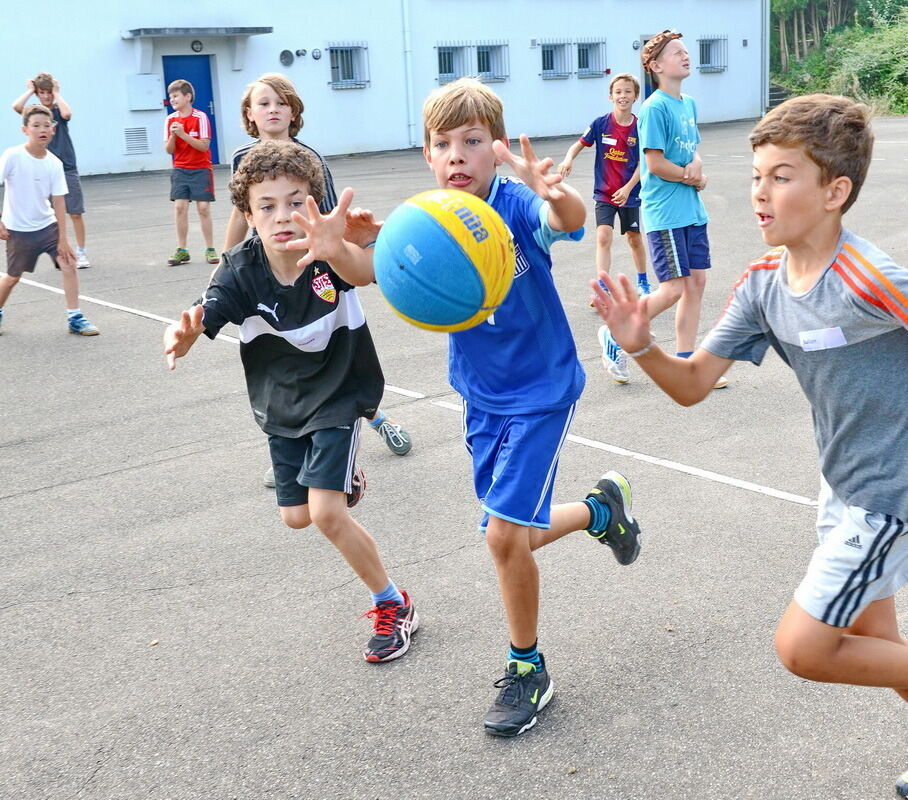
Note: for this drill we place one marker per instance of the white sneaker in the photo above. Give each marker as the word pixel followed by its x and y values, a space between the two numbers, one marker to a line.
pixel 82 261
pixel 613 357
pixel 268 479
pixel 721 383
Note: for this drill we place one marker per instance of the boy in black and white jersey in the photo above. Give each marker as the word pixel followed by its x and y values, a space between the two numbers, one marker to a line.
pixel 311 367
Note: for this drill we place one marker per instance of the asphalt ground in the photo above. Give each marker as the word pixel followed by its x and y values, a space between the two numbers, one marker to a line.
pixel 165 636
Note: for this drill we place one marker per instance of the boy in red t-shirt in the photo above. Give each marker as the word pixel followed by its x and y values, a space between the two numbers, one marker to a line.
pixel 187 137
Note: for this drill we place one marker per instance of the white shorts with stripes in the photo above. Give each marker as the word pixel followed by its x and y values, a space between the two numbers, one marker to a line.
pixel 862 557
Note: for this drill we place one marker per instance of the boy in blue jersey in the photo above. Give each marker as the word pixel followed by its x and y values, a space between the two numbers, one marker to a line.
pixel 835 309
pixel 671 179
pixel 520 378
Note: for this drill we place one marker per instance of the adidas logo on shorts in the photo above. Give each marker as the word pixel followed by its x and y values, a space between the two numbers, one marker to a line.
pixel 854 541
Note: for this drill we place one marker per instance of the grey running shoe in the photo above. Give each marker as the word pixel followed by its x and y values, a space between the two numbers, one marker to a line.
pixel 397 439
pixel 268 479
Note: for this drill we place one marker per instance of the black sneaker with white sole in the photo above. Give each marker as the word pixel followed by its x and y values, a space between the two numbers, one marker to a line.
pixel 525 691
pixel 623 532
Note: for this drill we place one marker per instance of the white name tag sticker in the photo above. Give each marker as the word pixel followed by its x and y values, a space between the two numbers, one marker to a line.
pixel 609 139
pixel 822 339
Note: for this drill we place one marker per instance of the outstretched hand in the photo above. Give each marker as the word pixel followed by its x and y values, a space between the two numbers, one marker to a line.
pixel 324 233
pixel 361 227
pixel 620 309
pixel 180 336
pixel 532 170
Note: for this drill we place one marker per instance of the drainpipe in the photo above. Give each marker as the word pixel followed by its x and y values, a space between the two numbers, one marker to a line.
pixel 408 70
pixel 766 24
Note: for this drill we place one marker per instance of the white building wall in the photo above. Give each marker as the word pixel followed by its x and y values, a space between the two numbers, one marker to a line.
pixel 82 46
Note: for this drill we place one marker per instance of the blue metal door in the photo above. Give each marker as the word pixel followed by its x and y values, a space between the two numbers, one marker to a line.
pixel 196 70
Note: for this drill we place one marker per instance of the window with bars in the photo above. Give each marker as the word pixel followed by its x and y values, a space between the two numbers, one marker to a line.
pixel 590 58
pixel 349 66
pixel 713 53
pixel 555 63
pixel 492 62
pixel 452 62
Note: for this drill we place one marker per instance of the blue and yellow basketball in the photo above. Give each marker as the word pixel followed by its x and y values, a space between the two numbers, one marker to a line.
pixel 444 260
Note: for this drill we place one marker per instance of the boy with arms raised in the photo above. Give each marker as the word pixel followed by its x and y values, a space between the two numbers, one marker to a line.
pixel 311 368
pixel 835 308
pixel 520 378
pixel 671 177
pixel 272 110
pixel 47 89
pixel 34 214
pixel 616 175
pixel 187 137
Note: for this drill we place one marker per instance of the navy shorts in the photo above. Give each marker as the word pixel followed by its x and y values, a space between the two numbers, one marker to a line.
pixel 192 184
pixel 630 217
pixel 676 251
pixel 322 459
pixel 515 458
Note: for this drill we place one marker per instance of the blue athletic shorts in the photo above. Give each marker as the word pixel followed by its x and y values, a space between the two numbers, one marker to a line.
pixel 676 251
pixel 323 459
pixel 515 459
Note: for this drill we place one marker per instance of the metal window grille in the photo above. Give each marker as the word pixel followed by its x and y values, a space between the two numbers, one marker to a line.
pixel 555 60
pixel 590 58
pixel 135 141
pixel 349 65
pixel 713 53
pixel 492 61
pixel 453 58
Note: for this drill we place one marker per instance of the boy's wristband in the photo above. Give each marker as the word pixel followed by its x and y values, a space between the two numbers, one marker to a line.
pixel 643 350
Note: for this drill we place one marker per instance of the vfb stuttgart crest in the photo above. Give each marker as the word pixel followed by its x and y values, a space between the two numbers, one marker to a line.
pixel 322 286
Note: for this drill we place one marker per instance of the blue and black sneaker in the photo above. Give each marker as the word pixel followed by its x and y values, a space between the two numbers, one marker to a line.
pixel 81 326
pixel 525 691
pixel 622 533
pixel 901 785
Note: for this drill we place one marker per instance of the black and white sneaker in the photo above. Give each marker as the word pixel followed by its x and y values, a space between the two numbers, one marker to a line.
pixel 392 626
pixel 525 691
pixel 623 532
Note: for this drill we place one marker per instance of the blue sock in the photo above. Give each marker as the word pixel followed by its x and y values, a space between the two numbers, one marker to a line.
pixel 529 654
pixel 389 594
pixel 642 280
pixel 600 514
pixel 688 354
pixel 379 419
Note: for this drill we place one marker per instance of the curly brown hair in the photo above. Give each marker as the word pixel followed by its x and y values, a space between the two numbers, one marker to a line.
pixel 833 131
pixel 269 160
pixel 285 90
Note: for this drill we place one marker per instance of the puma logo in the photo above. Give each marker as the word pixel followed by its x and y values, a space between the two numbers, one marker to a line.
pixel 206 299
pixel 272 311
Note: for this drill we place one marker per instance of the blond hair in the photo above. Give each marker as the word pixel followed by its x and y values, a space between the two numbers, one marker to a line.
pixel 459 103
pixel 285 90
pixel 275 159
pixel 833 131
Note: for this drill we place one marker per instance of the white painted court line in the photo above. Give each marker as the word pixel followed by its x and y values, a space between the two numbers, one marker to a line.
pixel 592 443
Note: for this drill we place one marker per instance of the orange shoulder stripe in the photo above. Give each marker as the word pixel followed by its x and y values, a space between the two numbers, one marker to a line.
pixel 894 301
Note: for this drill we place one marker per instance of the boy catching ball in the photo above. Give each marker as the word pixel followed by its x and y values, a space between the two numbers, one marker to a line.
pixel 303 319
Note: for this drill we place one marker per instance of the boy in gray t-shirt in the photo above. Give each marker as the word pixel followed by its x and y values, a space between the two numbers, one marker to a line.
pixel 835 308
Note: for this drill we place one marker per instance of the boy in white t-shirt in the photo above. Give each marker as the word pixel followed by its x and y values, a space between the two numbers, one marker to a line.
pixel 34 215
